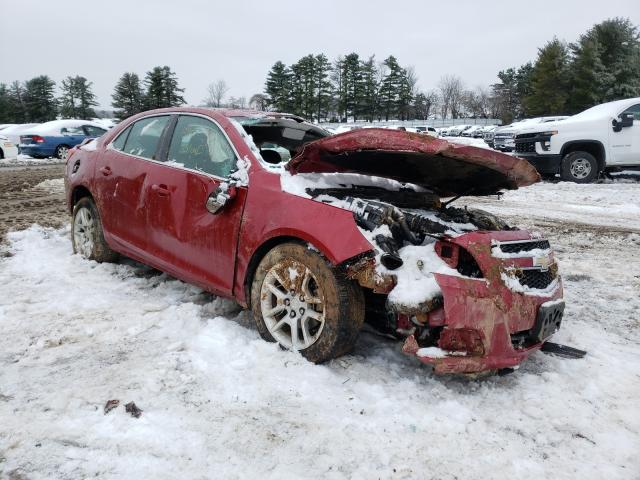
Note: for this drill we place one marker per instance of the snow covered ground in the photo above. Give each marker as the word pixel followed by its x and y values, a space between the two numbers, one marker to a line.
pixel 218 402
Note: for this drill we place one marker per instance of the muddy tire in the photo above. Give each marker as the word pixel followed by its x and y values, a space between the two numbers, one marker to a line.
pixel 87 236
pixel 304 303
pixel 579 167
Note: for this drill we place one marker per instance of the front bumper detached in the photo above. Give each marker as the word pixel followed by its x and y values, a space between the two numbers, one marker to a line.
pixel 488 330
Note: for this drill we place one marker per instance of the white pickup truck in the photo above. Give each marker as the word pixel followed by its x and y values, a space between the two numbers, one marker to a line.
pixel 583 146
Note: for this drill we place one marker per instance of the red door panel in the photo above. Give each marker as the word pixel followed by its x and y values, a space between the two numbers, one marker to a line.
pixel 120 189
pixel 184 236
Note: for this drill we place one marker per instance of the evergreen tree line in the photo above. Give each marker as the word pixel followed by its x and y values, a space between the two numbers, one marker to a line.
pixel 348 87
pixel 35 101
pixel 567 78
pixel 158 89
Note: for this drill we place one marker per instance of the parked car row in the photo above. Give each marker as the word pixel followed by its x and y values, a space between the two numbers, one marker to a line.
pixel 471 131
pixel 425 129
pixel 50 139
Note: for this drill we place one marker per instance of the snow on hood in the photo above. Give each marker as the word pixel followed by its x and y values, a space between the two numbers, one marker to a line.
pixel 438 165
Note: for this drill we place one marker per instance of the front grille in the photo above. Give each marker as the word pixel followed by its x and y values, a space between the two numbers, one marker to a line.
pixel 527 147
pixel 524 246
pixel 534 278
pixel 526 135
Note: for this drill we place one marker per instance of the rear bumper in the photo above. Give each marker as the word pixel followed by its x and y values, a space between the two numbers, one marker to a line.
pixel 546 164
pixel 36 150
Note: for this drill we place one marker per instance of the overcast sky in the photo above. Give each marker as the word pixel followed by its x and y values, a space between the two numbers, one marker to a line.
pixel 240 40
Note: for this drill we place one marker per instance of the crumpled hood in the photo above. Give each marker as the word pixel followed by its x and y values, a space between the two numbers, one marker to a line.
pixel 443 167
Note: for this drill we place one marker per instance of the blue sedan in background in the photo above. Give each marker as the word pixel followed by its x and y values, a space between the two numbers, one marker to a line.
pixel 56 138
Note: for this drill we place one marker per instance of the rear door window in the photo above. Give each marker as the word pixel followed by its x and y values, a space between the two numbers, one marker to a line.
pixel 199 144
pixel 144 138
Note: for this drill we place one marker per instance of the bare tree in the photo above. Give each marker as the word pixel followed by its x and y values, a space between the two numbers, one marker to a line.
pixel 215 93
pixel 237 102
pixel 451 93
pixel 259 101
pixel 412 79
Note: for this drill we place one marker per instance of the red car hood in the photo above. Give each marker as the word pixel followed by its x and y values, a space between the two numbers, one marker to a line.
pixel 443 167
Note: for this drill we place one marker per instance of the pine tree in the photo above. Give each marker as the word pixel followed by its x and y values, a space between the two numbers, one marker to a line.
pixel 278 87
pixel 369 105
pixel 39 99
pixel 128 98
pixel 162 89
pixel 172 92
pixel 619 45
pixel 5 114
pixel 549 80
pixel 393 93
pixel 588 77
pixel 77 98
pixel 17 109
pixel 322 96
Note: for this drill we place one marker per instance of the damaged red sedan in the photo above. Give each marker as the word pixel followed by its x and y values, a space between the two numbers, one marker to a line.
pixel 317 234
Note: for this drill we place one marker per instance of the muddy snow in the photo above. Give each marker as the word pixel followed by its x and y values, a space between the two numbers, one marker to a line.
pixel 218 402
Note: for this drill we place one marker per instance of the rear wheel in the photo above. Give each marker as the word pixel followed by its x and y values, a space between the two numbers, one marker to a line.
pixel 579 167
pixel 306 304
pixel 62 151
pixel 87 237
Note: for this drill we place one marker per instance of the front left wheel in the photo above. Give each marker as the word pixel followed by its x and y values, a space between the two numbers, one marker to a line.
pixel 306 304
pixel 87 236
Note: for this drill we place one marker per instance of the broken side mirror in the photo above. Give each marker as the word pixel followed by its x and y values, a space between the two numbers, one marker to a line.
pixel 221 196
pixel 626 120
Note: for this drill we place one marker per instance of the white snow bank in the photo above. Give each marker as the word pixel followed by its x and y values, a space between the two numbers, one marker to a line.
pixel 219 402
pixel 51 185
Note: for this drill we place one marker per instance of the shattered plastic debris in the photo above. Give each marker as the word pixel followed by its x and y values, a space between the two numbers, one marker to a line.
pixel 133 410
pixel 110 405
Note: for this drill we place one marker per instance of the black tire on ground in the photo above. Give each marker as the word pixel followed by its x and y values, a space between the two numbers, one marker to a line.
pixel 97 249
pixel 343 299
pixel 579 167
pixel 61 151
pixel 1 154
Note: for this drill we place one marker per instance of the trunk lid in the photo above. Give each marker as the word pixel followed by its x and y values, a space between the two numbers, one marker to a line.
pixel 443 167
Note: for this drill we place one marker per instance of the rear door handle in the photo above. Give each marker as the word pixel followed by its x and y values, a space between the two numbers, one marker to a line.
pixel 106 171
pixel 161 190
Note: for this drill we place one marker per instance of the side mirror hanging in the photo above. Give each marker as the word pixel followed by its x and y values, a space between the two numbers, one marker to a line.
pixel 220 197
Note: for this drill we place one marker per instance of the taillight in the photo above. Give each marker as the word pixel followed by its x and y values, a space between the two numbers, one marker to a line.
pixel 37 139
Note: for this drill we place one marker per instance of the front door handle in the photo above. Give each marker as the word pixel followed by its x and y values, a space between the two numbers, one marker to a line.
pixel 106 171
pixel 161 190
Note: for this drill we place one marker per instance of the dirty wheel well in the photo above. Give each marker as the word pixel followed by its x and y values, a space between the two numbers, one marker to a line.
pixel 258 255
pixel 594 148
pixel 78 193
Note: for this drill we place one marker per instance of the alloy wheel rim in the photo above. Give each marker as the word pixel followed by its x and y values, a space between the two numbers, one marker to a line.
pixel 83 230
pixel 63 152
pixel 292 305
pixel 580 168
